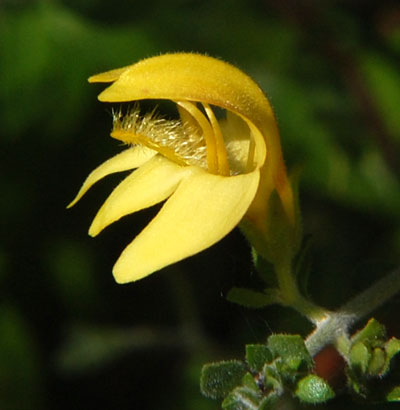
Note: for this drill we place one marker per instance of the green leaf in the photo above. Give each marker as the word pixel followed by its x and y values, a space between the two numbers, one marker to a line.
pixel 394 394
pixel 272 382
pixel 291 349
pixel 272 379
pixel 249 382
pixel 359 357
pixel 257 356
pixel 314 389
pixel 372 334
pixel 218 379
pixel 253 299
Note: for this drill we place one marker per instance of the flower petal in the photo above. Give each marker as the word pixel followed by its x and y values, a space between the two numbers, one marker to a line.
pixel 189 77
pixel 153 182
pixel 124 161
pixel 203 209
pixel 108 76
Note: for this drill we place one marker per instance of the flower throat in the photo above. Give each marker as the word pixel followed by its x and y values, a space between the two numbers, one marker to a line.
pixel 196 139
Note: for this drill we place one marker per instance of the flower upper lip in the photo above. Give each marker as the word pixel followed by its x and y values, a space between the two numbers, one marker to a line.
pixel 196 78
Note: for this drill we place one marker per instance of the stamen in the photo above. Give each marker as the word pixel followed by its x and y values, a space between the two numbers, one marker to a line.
pixel 170 138
pixel 194 139
pixel 250 155
pixel 208 134
pixel 223 164
pixel 188 119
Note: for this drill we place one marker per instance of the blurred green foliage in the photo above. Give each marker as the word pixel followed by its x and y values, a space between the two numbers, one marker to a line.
pixel 71 337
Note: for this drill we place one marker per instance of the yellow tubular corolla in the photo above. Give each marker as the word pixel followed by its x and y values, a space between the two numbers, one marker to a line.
pixel 205 198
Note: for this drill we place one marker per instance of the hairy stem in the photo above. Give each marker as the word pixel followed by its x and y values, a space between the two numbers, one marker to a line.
pixel 338 323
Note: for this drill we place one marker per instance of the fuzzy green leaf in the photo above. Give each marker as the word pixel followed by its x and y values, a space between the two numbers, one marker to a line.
pixel 291 349
pixel 257 356
pixel 249 382
pixel 272 379
pixel 218 379
pixel 314 389
pixel 243 398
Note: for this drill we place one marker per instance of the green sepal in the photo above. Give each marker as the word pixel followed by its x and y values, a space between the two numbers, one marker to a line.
pixel 313 389
pixel 372 334
pixel 218 379
pixel 279 240
pixel 283 239
pixel 394 394
pixel 291 350
pixel 253 299
pixel 265 269
pixel 257 356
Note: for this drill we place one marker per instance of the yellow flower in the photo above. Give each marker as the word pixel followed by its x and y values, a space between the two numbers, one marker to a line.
pixel 210 171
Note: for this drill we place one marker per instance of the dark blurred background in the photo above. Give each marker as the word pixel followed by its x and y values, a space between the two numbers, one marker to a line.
pixel 70 337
